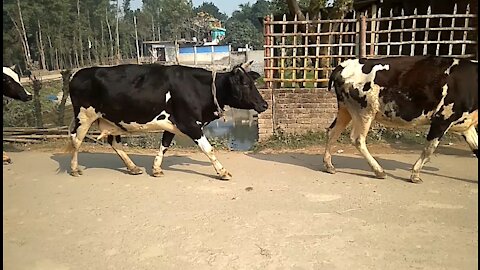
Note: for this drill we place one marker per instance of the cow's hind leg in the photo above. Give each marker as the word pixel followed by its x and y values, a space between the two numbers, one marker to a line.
pixel 116 143
pixel 333 132
pixel 471 137
pixel 437 129
pixel 6 159
pixel 157 163
pixel 359 137
pixel 84 119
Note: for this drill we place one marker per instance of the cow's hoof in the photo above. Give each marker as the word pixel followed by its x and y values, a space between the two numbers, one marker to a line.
pixel 76 173
pixel 225 175
pixel 135 170
pixel 330 170
pixel 158 173
pixel 7 161
pixel 381 175
pixel 415 179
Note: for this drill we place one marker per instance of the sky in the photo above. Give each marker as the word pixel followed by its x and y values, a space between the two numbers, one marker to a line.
pixel 225 6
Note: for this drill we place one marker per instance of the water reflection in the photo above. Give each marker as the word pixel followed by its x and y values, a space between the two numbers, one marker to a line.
pixel 240 130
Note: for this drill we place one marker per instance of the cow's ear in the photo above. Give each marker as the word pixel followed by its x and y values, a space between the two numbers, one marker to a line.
pixel 254 75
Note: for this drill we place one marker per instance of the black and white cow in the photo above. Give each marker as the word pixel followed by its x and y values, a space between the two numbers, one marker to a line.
pixel 13 89
pixel 405 92
pixel 147 98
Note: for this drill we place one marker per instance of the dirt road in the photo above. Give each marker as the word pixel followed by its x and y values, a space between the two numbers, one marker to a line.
pixel 278 212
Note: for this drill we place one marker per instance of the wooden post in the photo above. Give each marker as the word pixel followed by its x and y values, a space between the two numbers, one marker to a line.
pixel 450 46
pixel 294 60
pixel 283 52
pixel 305 52
pixel 465 32
pixel 377 29
pixel 272 53
pixel 266 32
pixel 372 28
pixel 414 25
pixel 37 86
pixel 402 26
pixel 389 34
pixel 194 55
pixel 427 24
pixel 317 64
pixel 363 37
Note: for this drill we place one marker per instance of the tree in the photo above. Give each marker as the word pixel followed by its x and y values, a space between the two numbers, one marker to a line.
pixel 172 17
pixel 211 9
pixel 244 32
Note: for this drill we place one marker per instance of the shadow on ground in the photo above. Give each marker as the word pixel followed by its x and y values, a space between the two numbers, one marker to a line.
pixel 315 162
pixel 441 149
pixel 112 161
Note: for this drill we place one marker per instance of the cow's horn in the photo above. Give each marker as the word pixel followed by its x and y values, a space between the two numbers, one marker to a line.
pixel 247 65
pixel 13 67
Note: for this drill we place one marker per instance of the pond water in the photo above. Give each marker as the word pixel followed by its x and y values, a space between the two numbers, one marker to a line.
pixel 239 130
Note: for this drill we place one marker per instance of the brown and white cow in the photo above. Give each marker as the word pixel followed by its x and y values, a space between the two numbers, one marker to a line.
pixel 13 89
pixel 405 92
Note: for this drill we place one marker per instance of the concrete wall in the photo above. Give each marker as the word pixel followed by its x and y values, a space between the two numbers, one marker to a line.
pixel 204 55
pixel 296 111
pixel 258 61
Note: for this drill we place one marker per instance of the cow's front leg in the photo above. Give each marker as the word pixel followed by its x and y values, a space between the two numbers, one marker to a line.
pixel 437 129
pixel 157 163
pixel 207 148
pixel 196 134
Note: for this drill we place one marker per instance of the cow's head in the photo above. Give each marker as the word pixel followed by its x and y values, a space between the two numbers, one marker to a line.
pixel 12 87
pixel 245 94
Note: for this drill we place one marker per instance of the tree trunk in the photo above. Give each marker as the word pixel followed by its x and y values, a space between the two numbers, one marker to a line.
pixel 110 34
pixel 118 37
pixel 51 53
pixel 136 39
pixel 66 74
pixel 153 29
pixel 80 47
pixel 43 61
pixel 102 47
pixel 37 105
pixel 76 63
pixel 57 61
pixel 27 47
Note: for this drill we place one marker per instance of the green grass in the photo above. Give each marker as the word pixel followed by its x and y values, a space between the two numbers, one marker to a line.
pixel 281 141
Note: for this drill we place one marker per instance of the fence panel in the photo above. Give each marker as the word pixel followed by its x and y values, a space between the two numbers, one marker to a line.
pixel 303 52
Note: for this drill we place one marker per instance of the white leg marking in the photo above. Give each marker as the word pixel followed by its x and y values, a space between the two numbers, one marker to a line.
pixel 132 168
pixel 208 150
pixel 424 158
pixel 157 163
pixel 86 118
pixel 471 137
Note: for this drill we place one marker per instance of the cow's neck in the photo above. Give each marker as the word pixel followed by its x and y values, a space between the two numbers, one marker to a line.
pixel 223 86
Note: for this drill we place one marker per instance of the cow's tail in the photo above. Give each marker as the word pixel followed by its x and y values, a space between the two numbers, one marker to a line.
pixel 336 74
pixel 69 148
